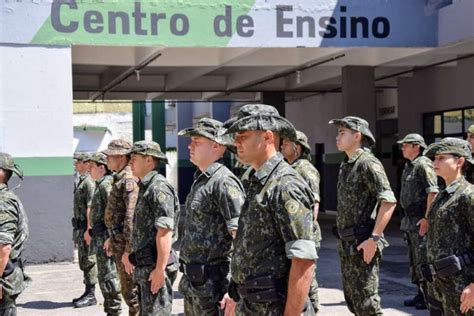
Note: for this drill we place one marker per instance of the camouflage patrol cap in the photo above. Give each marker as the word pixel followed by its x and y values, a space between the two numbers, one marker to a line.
pixel 262 117
pixel 470 130
pixel 302 139
pixel 118 147
pixel 357 124
pixel 208 128
pixel 7 163
pixel 78 156
pixel 148 148
pixel 99 158
pixel 413 139
pixel 450 145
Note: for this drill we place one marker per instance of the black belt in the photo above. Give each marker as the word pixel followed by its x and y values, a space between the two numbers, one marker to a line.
pixel 98 230
pixel 147 257
pixel 358 233
pixel 447 266
pixel 198 274
pixel 263 289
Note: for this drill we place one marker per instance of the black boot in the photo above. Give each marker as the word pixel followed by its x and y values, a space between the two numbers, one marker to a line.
pixel 88 299
pixel 74 300
pixel 415 300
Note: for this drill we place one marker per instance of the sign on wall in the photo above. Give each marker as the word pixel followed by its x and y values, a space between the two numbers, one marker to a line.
pixel 219 23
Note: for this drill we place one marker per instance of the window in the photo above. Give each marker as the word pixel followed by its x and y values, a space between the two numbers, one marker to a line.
pixel 452 123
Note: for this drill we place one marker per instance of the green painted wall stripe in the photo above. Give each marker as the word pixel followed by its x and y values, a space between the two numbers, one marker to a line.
pixel 46 166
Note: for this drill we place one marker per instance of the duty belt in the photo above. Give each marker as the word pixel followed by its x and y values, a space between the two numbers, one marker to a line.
pixel 358 233
pixel 98 230
pixel 198 274
pixel 79 224
pixel 447 266
pixel 147 257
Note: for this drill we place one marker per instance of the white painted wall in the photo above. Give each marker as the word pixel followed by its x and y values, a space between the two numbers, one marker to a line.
pixel 119 124
pixel 455 22
pixel 434 89
pixel 36 101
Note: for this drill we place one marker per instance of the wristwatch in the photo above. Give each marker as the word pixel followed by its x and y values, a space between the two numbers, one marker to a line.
pixel 375 237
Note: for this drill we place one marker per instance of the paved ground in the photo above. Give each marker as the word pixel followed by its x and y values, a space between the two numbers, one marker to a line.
pixel 54 285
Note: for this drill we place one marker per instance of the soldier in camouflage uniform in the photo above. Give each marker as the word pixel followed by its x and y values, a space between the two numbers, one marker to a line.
pixel 419 185
pixel 450 237
pixel 365 204
pixel 13 234
pixel 154 229
pixel 82 202
pixel 119 218
pixel 98 233
pixel 212 212
pixel 470 139
pixel 298 155
pixel 274 252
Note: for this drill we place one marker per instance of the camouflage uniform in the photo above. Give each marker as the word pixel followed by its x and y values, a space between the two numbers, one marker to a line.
pixel 82 200
pixel 157 207
pixel 451 223
pixel 212 212
pixel 119 220
pixel 14 232
pixel 107 272
pixel 275 224
pixel 362 186
pixel 418 179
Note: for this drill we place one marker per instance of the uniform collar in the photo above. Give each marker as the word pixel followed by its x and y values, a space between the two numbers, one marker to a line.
pixel 454 185
pixel 148 178
pixel 119 175
pixel 356 155
pixel 267 168
pixel 99 181
pixel 210 170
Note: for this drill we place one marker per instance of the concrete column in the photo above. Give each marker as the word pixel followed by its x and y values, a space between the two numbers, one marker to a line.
pixel 358 93
pixel 277 99
pixel 186 169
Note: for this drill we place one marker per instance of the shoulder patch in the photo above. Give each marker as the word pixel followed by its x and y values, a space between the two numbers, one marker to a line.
pixel 161 197
pixel 3 217
pixel 292 206
pixel 129 185
pixel 233 192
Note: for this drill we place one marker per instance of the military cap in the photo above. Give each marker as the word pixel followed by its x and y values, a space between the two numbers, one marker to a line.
pixel 98 157
pixel 78 156
pixel 118 147
pixel 450 145
pixel 148 148
pixel 357 124
pixel 262 117
pixel 470 130
pixel 413 139
pixel 302 139
pixel 208 128
pixel 7 163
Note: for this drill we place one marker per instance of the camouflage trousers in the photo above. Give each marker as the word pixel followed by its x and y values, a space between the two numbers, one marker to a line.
pixel 416 253
pixel 204 299
pixel 108 282
pixel 128 287
pixel 313 290
pixel 247 308
pixel 87 262
pixel 447 291
pixel 360 282
pixel 8 305
pixel 159 304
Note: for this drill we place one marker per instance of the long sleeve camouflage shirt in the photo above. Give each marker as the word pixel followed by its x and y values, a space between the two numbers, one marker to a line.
pixel 99 202
pixel 311 176
pixel 361 187
pixel 451 222
pixel 212 212
pixel 275 224
pixel 157 207
pixel 120 209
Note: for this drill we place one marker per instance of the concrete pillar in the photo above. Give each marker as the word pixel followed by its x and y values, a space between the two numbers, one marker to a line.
pixel 186 169
pixel 358 93
pixel 277 99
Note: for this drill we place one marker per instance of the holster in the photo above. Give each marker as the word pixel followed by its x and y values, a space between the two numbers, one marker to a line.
pixel 446 266
pixel 147 257
pixel 263 289
pixel 359 233
pixel 78 224
pixel 98 230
